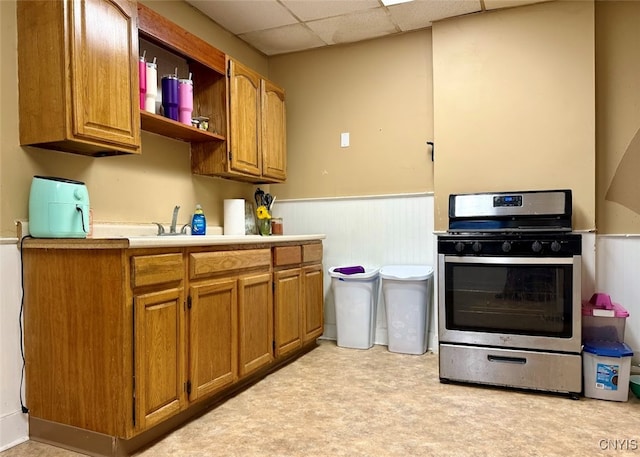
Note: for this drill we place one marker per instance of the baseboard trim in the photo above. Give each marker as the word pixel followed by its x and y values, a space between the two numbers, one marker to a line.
pixel 15 430
pixel 98 444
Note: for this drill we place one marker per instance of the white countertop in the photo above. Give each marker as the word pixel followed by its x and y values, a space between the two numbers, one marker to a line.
pixel 207 240
pixel 144 236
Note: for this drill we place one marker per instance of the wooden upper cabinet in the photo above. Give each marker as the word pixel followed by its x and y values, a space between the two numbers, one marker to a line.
pixel 274 135
pixel 78 76
pixel 255 150
pixel 244 108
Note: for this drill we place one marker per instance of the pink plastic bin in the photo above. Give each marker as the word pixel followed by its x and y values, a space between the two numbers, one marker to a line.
pixel 602 319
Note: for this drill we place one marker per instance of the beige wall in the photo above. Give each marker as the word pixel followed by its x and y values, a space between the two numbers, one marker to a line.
pixel 618 116
pixel 125 188
pixel 380 92
pixel 514 104
pixel 514 97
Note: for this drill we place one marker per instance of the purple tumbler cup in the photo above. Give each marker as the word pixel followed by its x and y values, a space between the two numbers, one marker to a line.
pixel 170 96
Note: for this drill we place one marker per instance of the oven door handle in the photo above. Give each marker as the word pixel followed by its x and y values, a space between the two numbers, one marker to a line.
pixel 504 359
pixel 510 260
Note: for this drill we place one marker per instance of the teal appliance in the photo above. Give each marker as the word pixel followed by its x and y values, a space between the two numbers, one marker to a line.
pixel 58 208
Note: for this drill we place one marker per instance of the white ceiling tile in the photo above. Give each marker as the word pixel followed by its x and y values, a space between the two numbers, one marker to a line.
pixel 354 27
pixel 289 38
pixel 241 16
pixel 495 4
pixel 280 26
pixel 421 13
pixel 308 10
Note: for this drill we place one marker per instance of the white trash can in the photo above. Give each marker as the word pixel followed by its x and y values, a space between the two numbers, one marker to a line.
pixel 355 296
pixel 406 290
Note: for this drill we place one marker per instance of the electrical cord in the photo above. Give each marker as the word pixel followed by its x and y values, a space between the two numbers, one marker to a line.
pixel 79 209
pixel 23 407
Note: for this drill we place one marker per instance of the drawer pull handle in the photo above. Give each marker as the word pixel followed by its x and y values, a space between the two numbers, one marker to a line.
pixel 498 358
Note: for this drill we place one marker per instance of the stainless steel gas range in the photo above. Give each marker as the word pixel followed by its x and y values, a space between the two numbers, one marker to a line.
pixel 509 291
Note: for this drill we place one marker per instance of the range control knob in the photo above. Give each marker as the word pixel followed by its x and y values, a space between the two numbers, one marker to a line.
pixel 459 246
pixel 555 246
pixel 477 247
pixel 536 246
pixel 506 246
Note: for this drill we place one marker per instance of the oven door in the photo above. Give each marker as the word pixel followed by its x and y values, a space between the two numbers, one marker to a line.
pixel 510 302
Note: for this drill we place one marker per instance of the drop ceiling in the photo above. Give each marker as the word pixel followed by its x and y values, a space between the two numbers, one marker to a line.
pixel 283 26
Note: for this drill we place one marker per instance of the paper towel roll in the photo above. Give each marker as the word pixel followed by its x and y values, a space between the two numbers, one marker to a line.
pixel 234 216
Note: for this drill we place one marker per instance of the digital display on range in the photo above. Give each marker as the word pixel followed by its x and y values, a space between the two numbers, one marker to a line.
pixel 507 200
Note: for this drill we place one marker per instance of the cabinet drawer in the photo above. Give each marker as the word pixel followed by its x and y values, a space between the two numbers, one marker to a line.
pixel 287 255
pixel 203 264
pixel 156 269
pixel 312 253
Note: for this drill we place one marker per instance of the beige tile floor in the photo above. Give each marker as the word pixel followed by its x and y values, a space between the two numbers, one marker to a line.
pixel 345 402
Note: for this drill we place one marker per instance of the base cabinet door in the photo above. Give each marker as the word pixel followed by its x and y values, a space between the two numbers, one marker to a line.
pixel 255 315
pixel 213 336
pixel 159 384
pixel 288 312
pixel 313 309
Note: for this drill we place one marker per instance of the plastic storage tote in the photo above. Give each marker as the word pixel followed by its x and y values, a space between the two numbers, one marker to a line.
pixel 606 369
pixel 406 290
pixel 356 297
pixel 602 319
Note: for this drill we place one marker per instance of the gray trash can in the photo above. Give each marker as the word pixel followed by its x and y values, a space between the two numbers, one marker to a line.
pixel 406 290
pixel 356 297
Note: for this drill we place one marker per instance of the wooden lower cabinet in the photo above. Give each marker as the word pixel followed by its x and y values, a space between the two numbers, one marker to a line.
pixel 213 330
pixel 159 356
pixel 298 295
pixel 255 314
pixel 126 344
pixel 313 309
pixel 288 310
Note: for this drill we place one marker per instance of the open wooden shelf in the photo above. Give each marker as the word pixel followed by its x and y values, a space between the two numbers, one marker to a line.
pixel 161 125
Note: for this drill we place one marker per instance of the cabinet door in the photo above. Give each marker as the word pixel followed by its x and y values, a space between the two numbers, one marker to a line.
pixel 255 315
pixel 288 311
pixel 213 336
pixel 159 365
pixel 104 75
pixel 313 310
pixel 274 135
pixel 244 120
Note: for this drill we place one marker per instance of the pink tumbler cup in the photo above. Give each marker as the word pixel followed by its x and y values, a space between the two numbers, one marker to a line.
pixel 142 75
pixel 185 100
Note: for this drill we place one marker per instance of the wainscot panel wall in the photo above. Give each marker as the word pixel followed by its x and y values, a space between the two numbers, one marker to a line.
pixel 14 427
pixel 367 231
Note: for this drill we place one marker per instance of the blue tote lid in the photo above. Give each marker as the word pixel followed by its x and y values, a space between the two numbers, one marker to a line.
pixel 607 348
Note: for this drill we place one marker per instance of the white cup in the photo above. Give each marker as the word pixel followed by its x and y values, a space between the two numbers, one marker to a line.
pixel 152 87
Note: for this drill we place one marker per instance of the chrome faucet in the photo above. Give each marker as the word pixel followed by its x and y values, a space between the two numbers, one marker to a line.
pixel 174 220
pixel 172 228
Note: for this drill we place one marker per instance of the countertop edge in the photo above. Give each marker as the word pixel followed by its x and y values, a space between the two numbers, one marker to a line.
pixel 136 242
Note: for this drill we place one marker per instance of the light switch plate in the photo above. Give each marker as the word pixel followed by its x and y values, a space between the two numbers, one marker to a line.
pixel 344 140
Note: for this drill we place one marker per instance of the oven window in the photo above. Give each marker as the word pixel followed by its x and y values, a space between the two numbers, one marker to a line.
pixel 516 299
